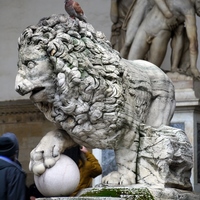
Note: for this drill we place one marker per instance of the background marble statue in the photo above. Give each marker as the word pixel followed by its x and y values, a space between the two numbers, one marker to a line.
pixel 119 15
pixel 153 24
pixel 94 97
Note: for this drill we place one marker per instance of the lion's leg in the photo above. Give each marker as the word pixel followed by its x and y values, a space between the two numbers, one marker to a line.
pixel 161 111
pixel 126 159
pixel 48 151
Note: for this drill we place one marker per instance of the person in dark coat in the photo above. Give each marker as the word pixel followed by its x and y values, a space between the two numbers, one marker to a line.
pixel 12 176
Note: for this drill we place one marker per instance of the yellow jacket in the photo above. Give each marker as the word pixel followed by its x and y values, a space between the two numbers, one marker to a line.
pixel 88 170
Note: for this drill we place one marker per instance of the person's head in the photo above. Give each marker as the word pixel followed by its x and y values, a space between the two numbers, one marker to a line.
pixel 13 137
pixel 7 147
pixel 74 153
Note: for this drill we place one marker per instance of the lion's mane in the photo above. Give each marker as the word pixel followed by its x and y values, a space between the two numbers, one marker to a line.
pixel 90 97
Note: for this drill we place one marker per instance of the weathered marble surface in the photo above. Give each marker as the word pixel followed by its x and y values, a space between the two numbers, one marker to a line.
pixel 96 98
pixel 99 100
pixel 164 158
pixel 187 114
pixel 142 29
pixel 66 171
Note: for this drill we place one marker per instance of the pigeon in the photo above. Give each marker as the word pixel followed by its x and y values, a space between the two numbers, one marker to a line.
pixel 74 10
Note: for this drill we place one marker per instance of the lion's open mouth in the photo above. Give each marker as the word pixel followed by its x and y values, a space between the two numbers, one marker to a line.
pixel 37 90
pixel 37 94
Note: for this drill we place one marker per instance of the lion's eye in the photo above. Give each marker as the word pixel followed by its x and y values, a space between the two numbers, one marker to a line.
pixel 30 64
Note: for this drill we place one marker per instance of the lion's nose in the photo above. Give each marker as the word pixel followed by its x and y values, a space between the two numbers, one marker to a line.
pixel 19 89
pixel 22 86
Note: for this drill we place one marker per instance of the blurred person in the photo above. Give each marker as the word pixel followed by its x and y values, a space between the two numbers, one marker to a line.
pixel 34 192
pixel 12 176
pixel 88 165
pixel 13 137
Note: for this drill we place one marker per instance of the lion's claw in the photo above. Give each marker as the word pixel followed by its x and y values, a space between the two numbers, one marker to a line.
pixel 48 151
pixel 117 178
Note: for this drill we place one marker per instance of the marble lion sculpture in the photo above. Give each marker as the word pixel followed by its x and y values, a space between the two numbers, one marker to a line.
pixel 94 97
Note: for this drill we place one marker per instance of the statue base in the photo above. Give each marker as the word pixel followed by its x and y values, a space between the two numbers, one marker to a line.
pixel 132 192
pixel 186 89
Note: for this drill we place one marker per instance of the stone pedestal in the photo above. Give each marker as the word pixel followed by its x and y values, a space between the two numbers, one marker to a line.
pixel 132 192
pixel 187 117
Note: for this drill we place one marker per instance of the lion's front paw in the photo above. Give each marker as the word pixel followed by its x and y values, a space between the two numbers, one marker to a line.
pixel 42 158
pixel 116 178
pixel 48 151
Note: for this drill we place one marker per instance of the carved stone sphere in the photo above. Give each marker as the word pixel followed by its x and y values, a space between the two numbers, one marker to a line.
pixel 60 180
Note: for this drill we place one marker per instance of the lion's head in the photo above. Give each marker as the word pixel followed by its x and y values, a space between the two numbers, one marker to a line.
pixel 73 76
